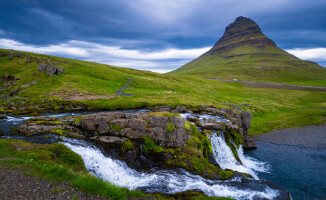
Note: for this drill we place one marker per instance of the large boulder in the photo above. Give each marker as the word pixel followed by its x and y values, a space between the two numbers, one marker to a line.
pixel 51 70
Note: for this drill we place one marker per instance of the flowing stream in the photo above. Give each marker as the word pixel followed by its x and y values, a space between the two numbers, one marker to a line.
pixel 163 181
pixel 226 159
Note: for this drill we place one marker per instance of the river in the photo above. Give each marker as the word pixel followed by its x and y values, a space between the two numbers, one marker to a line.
pixel 300 170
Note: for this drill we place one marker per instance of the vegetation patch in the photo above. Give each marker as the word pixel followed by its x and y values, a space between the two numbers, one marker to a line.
pixel 165 114
pixel 169 128
pixel 78 120
pixel 58 163
pixel 187 125
pixel 150 146
pixel 59 131
pixel 115 127
pixel 127 146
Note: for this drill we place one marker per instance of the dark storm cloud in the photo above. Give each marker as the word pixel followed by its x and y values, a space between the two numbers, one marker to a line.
pixel 154 25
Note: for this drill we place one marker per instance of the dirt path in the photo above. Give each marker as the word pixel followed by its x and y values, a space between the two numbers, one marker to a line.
pixel 15 185
pixel 274 85
pixel 119 92
pixel 309 136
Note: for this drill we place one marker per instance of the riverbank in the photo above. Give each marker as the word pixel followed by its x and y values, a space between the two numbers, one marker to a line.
pixel 313 136
pixel 16 184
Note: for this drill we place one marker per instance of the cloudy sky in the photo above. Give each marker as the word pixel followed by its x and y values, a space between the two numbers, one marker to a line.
pixel 155 35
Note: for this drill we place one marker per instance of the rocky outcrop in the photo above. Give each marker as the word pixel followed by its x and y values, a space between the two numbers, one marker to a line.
pixel 137 126
pixel 29 84
pixel 156 139
pixel 15 92
pixel 50 69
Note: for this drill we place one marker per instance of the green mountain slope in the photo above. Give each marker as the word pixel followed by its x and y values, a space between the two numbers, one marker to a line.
pixel 93 86
pixel 245 53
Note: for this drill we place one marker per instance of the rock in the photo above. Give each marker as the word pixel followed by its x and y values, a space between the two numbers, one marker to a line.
pixel 15 92
pixel 212 160
pixel 235 107
pixel 51 70
pixel 213 126
pixel 26 85
pixel 249 143
pixel 42 67
pixel 20 55
pixel 29 60
pixel 11 56
pixel 112 139
pixel 34 82
pixel 3 117
pixel 192 118
pixel 3 55
pixel 1 132
pixel 245 120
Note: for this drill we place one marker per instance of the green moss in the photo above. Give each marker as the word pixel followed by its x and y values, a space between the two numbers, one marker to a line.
pixel 198 141
pixel 165 114
pixel 170 127
pixel 2 110
pixel 187 125
pixel 115 127
pixel 59 131
pixel 150 146
pixel 78 120
pixel 127 146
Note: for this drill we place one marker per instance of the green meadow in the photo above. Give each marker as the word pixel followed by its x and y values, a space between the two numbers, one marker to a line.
pixel 271 108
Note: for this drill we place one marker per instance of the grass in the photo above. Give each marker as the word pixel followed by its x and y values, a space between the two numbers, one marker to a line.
pixel 248 64
pixel 271 108
pixel 58 163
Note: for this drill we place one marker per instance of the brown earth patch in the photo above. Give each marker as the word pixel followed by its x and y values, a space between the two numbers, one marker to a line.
pixel 84 97
pixel 75 96
pixel 273 85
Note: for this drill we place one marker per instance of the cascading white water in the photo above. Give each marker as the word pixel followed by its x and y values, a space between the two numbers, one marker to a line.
pixel 226 159
pixel 164 181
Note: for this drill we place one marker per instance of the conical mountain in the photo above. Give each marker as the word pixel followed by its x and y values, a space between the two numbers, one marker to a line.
pixel 245 53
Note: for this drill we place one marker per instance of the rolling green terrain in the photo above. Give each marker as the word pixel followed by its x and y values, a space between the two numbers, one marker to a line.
pixel 271 108
pixel 245 53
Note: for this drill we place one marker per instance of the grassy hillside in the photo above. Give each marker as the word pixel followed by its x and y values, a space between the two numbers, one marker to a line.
pixel 281 68
pixel 245 53
pixel 272 108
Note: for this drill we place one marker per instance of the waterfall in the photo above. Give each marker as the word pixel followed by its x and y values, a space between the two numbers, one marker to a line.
pixel 163 181
pixel 226 159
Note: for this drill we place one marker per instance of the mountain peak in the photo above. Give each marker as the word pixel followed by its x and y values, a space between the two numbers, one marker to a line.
pixel 242 22
pixel 243 31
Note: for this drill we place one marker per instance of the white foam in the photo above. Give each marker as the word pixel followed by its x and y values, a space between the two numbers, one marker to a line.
pixel 226 159
pixel 164 181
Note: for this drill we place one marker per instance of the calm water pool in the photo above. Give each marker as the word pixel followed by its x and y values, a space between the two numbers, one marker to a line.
pixel 300 170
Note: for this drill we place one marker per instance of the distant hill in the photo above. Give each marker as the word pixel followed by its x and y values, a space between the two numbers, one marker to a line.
pixel 245 53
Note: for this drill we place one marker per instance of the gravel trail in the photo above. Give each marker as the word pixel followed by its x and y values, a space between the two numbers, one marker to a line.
pixel 312 136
